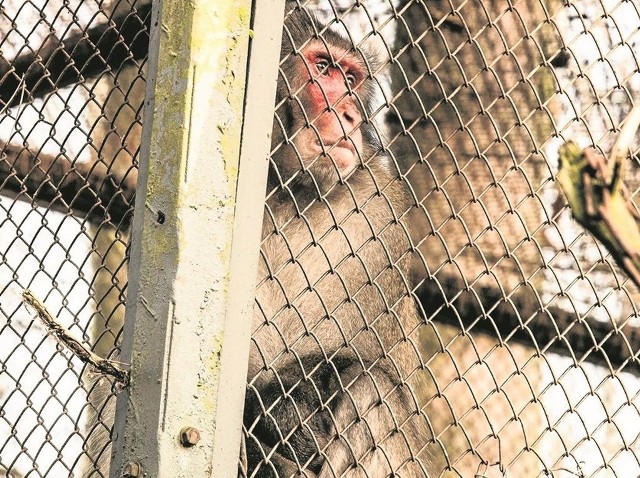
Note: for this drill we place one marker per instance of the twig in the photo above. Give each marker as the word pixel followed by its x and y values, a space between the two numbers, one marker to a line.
pixel 107 367
pixel 627 133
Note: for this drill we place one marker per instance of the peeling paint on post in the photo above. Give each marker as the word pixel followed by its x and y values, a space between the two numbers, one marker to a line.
pixel 196 235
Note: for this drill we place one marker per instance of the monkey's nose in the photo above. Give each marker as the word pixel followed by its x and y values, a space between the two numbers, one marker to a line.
pixel 349 119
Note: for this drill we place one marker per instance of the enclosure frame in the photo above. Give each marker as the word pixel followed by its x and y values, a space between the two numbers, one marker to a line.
pixel 201 188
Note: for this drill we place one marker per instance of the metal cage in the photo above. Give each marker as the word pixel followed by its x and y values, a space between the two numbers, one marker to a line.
pixel 458 302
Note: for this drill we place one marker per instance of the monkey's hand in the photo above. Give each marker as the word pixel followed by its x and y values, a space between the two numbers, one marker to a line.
pixel 599 203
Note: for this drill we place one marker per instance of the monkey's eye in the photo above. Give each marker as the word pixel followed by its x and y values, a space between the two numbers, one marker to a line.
pixel 351 79
pixel 322 66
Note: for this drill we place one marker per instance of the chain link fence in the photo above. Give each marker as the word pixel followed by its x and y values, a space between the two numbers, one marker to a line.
pixel 454 298
pixel 70 129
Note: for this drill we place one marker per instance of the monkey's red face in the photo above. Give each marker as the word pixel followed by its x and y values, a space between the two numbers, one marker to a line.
pixel 330 138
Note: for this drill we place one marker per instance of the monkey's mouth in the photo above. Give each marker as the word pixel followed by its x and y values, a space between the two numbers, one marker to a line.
pixel 342 152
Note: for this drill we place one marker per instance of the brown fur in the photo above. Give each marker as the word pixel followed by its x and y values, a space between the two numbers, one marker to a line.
pixel 333 360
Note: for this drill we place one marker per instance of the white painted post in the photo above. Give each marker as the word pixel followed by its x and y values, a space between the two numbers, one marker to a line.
pixel 196 236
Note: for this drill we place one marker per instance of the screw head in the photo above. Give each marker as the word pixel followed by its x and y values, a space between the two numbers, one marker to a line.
pixel 189 436
pixel 132 470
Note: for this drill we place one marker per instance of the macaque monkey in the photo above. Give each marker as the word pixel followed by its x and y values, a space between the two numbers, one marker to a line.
pixel 334 363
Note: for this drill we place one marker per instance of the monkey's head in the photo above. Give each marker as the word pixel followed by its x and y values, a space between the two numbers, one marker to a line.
pixel 322 132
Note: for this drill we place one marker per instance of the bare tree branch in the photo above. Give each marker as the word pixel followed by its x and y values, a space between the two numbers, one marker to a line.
pixel 524 319
pixel 86 54
pixel 86 189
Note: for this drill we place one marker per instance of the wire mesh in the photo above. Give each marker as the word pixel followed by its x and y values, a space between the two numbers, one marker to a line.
pixel 70 129
pixel 504 344
pixel 426 304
